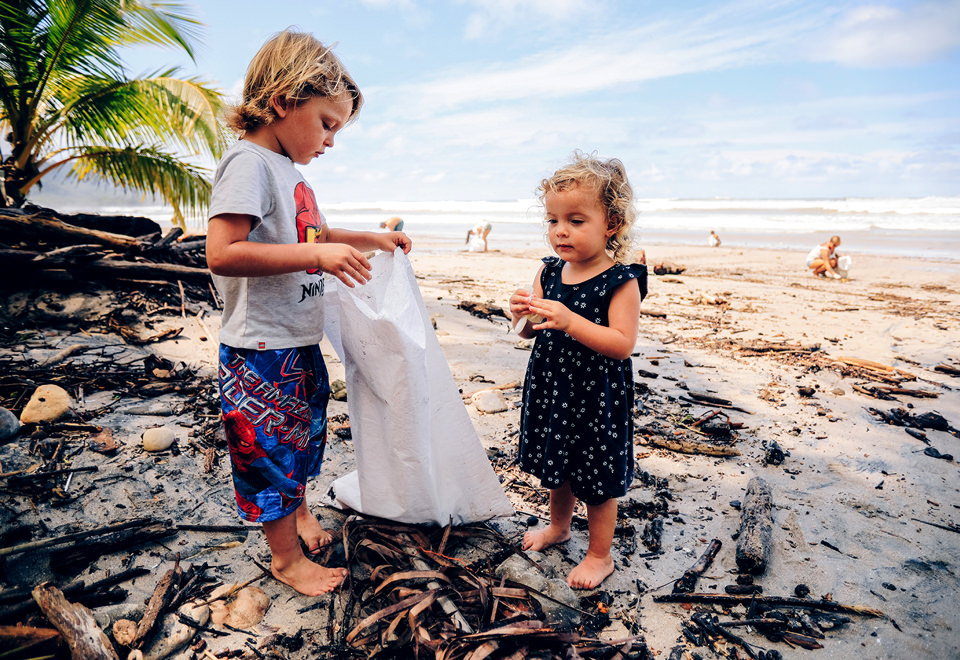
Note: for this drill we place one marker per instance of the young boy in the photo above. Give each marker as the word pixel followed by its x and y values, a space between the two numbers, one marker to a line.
pixel 268 247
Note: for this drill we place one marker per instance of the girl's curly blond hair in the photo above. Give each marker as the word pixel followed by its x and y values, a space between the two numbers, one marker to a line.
pixel 609 179
pixel 292 67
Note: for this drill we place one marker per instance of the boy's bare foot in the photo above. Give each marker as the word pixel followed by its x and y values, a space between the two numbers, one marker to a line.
pixel 589 573
pixel 309 578
pixel 310 531
pixel 544 538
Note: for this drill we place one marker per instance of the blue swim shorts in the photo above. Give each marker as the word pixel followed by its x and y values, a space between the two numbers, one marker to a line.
pixel 274 407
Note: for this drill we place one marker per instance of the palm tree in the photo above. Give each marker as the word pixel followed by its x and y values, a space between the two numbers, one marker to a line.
pixel 65 100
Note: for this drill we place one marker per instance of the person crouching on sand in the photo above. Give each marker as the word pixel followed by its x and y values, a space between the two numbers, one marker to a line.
pixel 577 415
pixel 822 259
pixel 268 247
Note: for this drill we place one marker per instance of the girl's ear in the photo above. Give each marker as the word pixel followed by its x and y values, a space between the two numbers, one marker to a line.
pixel 279 106
pixel 611 229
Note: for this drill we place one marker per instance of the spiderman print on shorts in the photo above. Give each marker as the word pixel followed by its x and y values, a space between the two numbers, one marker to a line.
pixel 274 405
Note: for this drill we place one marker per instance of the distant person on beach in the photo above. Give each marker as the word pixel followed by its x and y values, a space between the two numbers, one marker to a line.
pixel 268 247
pixel 577 416
pixel 479 234
pixel 823 258
pixel 714 240
pixel 392 224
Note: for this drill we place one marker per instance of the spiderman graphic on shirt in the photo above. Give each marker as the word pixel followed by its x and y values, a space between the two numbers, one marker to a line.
pixel 309 220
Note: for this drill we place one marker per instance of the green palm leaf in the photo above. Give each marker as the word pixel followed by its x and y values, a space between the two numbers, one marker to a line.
pixel 146 169
pixel 65 98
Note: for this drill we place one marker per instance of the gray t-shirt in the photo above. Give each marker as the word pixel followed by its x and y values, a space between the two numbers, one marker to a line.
pixel 278 311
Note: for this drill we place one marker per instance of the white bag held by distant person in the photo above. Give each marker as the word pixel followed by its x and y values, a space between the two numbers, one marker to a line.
pixel 843 266
pixel 419 459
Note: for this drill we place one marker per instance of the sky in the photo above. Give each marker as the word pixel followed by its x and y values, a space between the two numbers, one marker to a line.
pixel 481 99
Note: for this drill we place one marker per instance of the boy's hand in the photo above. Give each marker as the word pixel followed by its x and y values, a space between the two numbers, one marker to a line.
pixel 344 262
pixel 556 315
pixel 392 240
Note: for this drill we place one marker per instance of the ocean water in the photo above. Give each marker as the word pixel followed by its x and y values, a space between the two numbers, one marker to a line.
pixel 923 227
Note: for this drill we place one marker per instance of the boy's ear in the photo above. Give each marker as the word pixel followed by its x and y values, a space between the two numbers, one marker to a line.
pixel 279 105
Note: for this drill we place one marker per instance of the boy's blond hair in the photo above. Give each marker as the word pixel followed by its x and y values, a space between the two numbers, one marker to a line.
pixel 609 179
pixel 292 67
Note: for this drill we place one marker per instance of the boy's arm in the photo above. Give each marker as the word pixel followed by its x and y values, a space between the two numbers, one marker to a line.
pixel 616 340
pixel 229 253
pixel 369 240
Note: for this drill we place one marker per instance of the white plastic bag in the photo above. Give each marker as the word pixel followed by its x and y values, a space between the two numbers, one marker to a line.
pixel 419 459
pixel 843 266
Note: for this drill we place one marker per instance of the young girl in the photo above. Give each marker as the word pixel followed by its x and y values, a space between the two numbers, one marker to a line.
pixel 577 423
pixel 268 247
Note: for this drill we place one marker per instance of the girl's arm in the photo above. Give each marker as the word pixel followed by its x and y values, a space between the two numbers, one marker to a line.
pixel 616 341
pixel 369 240
pixel 229 253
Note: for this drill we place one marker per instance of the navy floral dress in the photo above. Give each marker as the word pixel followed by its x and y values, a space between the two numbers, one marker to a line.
pixel 577 416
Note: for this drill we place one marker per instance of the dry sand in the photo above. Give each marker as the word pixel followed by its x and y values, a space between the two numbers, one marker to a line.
pixel 845 498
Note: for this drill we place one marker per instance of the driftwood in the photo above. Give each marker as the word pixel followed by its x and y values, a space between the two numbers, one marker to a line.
pixel 686 583
pixel 76 536
pixel 692 447
pixel 950 369
pixel 756 527
pixel 161 597
pixel 482 310
pixel 25 637
pixel 76 556
pixel 760 346
pixel 63 248
pixel 768 601
pixel 79 592
pixel 52 228
pixel 75 623
pixel 886 392
pixel 701 398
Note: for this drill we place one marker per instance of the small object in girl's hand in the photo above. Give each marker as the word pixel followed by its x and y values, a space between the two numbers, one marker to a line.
pixel 532 319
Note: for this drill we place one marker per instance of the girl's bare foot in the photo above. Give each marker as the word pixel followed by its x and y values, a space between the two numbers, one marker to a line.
pixel 544 538
pixel 310 531
pixel 307 577
pixel 589 573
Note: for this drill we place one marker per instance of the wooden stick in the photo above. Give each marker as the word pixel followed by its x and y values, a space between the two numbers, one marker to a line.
pixel 693 447
pixel 772 601
pixel 158 601
pixel 688 580
pixel 69 538
pixel 53 473
pixel 949 528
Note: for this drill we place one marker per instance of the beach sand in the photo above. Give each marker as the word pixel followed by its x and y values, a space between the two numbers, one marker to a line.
pixel 846 497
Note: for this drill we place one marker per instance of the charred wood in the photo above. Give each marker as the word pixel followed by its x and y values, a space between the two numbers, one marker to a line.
pixel 756 527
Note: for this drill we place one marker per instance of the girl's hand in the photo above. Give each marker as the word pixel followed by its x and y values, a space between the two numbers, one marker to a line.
pixel 519 304
pixel 556 315
pixel 392 240
pixel 344 262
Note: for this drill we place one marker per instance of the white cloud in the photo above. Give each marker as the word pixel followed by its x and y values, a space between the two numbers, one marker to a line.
pixel 882 35
pixel 614 60
pixel 490 17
